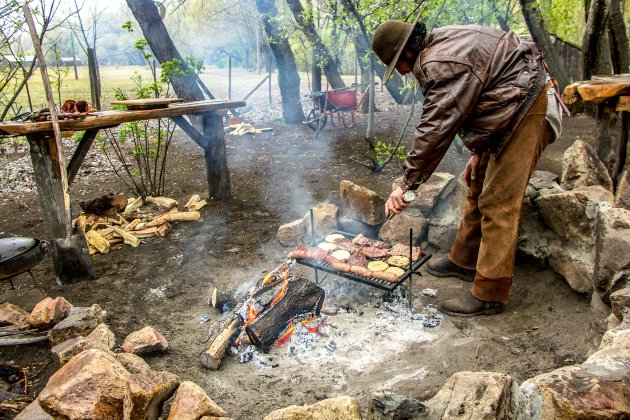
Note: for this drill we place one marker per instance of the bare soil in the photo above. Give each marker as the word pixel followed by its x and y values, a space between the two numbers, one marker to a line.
pixel 276 177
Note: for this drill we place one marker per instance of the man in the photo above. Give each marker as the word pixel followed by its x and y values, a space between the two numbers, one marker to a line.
pixel 493 89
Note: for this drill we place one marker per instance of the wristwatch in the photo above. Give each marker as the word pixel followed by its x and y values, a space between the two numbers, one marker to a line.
pixel 408 196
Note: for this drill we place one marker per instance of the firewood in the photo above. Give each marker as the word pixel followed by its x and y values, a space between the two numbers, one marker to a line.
pixel 181 216
pixel 144 233
pixel 192 200
pixel 105 205
pixel 162 201
pixel 80 224
pixel 132 225
pixel 199 204
pixel 163 230
pixel 128 237
pixel 97 241
pixel 213 356
pixel 218 299
pixel 133 204
pixel 115 241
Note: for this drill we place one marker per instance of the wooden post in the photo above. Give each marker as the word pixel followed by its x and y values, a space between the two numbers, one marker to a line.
pixel 317 74
pixel 230 77
pixel 95 79
pixel 217 169
pixel 369 135
pixel 270 68
pixel 74 57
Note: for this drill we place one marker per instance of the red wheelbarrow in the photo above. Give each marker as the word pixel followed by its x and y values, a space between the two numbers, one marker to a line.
pixel 335 104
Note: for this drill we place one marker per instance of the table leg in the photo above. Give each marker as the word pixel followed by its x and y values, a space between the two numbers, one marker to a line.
pixel 217 170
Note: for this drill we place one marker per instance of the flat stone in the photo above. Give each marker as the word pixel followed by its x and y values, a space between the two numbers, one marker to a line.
pixel 191 402
pixel 612 359
pixel 396 230
pixel 90 386
pixel 612 245
pixel 620 302
pixel 361 203
pixel 80 321
pixel 394 407
pixel 575 266
pixel 145 341
pixel 145 393
pixel 575 392
pixel 475 395
pixel 11 314
pixel 340 408
pixel 622 196
pixel 571 214
pixel 49 312
pixel 582 168
pixel 33 412
pixel 291 233
pixel 103 334
pixel 438 186
pixel 356 227
pixel 325 218
pixel 442 237
pixel 133 363
pixel 65 351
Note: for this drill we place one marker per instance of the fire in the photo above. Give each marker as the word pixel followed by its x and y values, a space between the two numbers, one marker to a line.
pixel 282 274
pixel 252 315
pixel 313 329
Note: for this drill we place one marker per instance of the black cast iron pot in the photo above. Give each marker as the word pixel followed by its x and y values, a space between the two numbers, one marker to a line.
pixel 18 255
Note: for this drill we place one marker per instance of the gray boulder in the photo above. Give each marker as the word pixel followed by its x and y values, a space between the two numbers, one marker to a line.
pixel 582 168
pixel 622 196
pixel 396 230
pixel 80 321
pixel 290 233
pixel 612 250
pixel 325 219
pixel 361 203
pixel 574 265
pixel 428 194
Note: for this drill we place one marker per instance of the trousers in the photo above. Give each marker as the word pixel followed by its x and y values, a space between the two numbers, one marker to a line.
pixel 487 235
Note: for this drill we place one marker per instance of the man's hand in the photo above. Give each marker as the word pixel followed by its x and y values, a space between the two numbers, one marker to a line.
pixel 395 203
pixel 470 171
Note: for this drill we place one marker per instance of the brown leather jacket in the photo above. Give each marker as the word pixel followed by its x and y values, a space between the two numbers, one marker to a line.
pixel 477 81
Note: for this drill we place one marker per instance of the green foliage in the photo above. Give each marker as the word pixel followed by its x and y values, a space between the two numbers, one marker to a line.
pixel 383 151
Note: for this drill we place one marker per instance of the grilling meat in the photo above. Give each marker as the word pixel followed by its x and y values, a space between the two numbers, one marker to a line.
pixel 364 241
pixel 403 250
pixel 369 251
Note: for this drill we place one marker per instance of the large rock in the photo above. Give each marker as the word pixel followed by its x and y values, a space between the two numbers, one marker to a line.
pixel 572 214
pixel 575 392
pixel 574 265
pixel 33 412
pixel 133 364
pixel 90 386
pixel 145 341
pixel 535 239
pixel 475 395
pixel 620 302
pixel 325 218
pixel 622 196
pixel 49 312
pixel 13 315
pixel 340 408
pixel 361 203
pixel 145 394
pixel 290 233
pixel 356 227
pixel 394 407
pixel 442 237
pixel 65 351
pixel 612 249
pixel 582 168
pixel 613 355
pixel 103 334
pixel 191 403
pixel 397 229
pixel 428 194
pixel 445 217
pixel 542 183
pixel 80 321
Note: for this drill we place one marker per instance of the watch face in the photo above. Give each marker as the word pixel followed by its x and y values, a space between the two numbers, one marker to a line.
pixel 408 196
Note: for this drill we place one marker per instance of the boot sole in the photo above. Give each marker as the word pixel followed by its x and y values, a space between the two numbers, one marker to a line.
pixel 460 276
pixel 494 311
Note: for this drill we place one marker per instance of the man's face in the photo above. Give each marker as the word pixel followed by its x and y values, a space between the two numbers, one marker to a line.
pixel 405 63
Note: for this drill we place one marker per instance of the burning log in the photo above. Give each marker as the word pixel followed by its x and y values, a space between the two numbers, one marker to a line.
pixel 300 297
pixel 105 205
pixel 213 356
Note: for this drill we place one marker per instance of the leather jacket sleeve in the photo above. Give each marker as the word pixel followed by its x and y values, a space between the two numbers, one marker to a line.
pixel 451 90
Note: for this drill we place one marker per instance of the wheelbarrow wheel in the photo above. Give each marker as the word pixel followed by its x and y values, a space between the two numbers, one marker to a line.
pixel 315 120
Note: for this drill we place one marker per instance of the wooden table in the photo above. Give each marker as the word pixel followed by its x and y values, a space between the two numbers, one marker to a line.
pixel 611 96
pixel 52 176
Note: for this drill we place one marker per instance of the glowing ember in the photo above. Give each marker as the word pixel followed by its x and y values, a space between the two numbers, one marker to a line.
pixel 306 323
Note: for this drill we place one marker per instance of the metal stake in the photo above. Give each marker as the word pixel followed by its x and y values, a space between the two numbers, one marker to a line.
pixel 409 286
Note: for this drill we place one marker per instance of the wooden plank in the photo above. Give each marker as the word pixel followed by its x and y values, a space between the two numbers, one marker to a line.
pixel 113 118
pixel 79 154
pixel 623 104
pixel 597 91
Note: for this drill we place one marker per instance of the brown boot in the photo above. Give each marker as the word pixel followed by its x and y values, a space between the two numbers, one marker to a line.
pixel 467 305
pixel 444 267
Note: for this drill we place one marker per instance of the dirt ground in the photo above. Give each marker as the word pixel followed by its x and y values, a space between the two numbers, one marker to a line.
pixel 276 177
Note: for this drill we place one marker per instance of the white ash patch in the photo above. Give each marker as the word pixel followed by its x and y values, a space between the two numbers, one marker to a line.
pixel 158 292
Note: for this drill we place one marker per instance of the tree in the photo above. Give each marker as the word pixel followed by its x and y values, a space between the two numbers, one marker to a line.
pixel 288 77
pixel 595 54
pixel 618 38
pixel 538 30
pixel 323 58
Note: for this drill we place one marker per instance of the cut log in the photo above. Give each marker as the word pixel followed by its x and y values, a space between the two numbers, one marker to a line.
pixel 163 230
pixel 165 202
pixel 127 237
pixel 218 300
pixel 192 200
pixel 97 241
pixel 144 233
pixel 80 224
pixel 194 207
pixel 105 205
pixel 133 204
pixel 180 216
pixel 213 356
pixel 301 297
pixel 623 104
pixel 133 224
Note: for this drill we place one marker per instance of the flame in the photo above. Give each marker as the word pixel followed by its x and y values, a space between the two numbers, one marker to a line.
pixel 285 337
pixel 252 315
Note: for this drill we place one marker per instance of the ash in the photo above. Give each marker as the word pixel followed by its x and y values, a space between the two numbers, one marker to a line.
pixel 360 328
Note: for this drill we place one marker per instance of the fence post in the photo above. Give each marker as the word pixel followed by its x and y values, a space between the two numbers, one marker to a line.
pixel 230 77
pixel 270 68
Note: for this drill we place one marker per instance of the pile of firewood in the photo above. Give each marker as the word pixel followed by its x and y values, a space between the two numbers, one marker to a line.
pixel 114 219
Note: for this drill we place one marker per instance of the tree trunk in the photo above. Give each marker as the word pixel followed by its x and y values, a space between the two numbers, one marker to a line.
pixel 288 77
pixel 155 32
pixel 363 46
pixel 595 51
pixel 538 30
pixel 618 38
pixel 323 57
